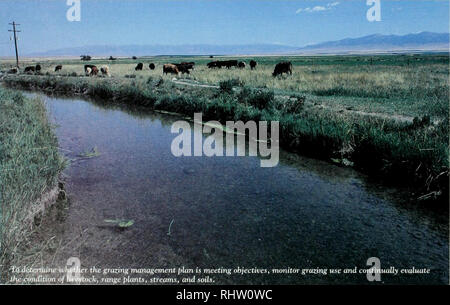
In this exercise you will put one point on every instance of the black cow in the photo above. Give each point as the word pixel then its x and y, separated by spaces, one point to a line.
pixel 139 67
pixel 224 63
pixel 29 69
pixel 58 68
pixel 252 64
pixel 229 63
pixel 241 65
pixel 282 67
pixel 38 68
pixel 13 71
pixel 151 66
pixel 213 64
pixel 112 58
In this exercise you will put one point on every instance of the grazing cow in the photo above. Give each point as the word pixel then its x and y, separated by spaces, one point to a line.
pixel 229 63
pixel 88 66
pixel 252 64
pixel 105 70
pixel 225 63
pixel 241 65
pixel 90 70
pixel 282 67
pixel 112 58
pixel 134 57
pixel 58 68
pixel 94 71
pixel 191 64
pixel 139 67
pixel 170 68
pixel 38 68
pixel 184 67
pixel 213 64
pixel 151 66
pixel 13 71
pixel 29 69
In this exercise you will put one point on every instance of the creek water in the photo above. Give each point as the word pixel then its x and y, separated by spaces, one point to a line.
pixel 228 212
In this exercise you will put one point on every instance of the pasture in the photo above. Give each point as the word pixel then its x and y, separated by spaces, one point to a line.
pixel 409 85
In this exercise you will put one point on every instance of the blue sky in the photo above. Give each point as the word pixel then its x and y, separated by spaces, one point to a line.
pixel 45 27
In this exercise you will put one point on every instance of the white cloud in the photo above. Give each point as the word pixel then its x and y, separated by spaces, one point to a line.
pixel 329 6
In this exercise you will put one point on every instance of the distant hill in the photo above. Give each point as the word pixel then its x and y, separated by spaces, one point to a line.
pixel 424 41
pixel 152 50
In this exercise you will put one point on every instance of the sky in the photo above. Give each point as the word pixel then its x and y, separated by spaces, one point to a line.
pixel 45 27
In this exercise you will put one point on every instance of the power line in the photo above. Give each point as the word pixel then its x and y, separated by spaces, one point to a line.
pixel 15 41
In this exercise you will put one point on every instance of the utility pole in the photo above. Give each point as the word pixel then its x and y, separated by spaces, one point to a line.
pixel 15 41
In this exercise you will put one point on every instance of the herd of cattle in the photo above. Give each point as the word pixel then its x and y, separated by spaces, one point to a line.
pixel 173 68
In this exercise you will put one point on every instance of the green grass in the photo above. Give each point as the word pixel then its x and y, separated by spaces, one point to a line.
pixel 411 85
pixel 29 167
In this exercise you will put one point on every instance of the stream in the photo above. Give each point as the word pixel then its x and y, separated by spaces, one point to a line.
pixel 228 212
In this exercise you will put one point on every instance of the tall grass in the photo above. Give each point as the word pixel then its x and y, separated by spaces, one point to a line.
pixel 404 84
pixel 29 166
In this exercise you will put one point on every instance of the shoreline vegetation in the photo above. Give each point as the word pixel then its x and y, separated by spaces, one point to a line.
pixel 408 153
pixel 30 164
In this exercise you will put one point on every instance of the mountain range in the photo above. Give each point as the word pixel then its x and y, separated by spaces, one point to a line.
pixel 424 41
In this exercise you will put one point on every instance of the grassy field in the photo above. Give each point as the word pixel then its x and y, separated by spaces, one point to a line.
pixel 385 115
pixel 29 167
pixel 411 85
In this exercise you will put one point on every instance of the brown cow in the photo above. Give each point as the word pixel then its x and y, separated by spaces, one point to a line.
pixel 88 66
pixel 170 68
pixel 191 64
pixel 94 71
pixel 184 67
